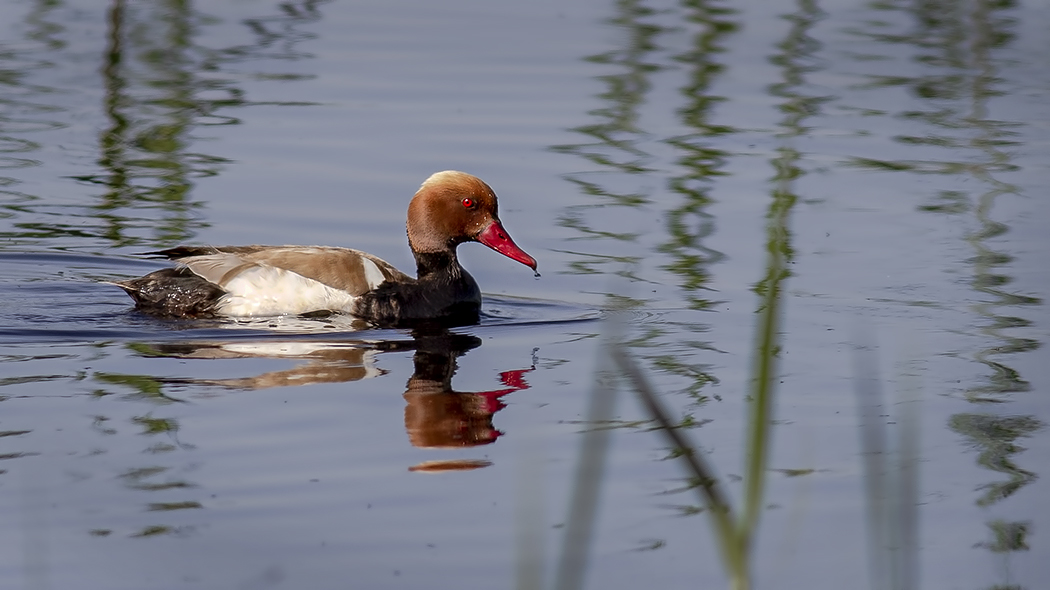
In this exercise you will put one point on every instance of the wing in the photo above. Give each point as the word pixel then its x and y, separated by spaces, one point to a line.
pixel 350 271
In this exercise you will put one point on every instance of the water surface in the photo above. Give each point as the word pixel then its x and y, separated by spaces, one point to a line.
pixel 750 192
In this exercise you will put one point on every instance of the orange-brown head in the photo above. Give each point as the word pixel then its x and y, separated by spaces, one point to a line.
pixel 454 207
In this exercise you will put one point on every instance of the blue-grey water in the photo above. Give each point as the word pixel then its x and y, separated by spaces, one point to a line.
pixel 832 210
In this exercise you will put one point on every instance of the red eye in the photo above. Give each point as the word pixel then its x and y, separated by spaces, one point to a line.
pixel 468 203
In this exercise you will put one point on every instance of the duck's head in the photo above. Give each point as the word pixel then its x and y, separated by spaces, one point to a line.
pixel 454 207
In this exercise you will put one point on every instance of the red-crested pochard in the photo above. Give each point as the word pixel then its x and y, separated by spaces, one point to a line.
pixel 241 281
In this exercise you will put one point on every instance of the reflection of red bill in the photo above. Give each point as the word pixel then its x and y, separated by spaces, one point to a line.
pixel 497 238
pixel 514 380
pixel 451 465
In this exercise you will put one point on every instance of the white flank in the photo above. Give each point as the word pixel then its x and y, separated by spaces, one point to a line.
pixel 271 291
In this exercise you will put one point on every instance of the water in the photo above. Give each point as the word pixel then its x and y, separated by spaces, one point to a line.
pixel 750 191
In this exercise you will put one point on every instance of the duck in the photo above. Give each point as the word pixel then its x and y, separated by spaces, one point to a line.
pixel 450 208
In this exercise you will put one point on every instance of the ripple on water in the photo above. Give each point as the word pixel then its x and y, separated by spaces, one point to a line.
pixel 10 163
pixel 62 297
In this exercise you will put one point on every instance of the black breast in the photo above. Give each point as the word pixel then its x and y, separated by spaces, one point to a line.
pixel 441 298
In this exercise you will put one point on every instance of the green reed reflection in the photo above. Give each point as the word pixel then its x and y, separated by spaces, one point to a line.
pixel 157 479
pixel 996 439
pixel 619 148
pixel 734 530
pixel 617 125
pixel 161 83
pixel 622 149
pixel 18 112
pixel 689 225
pixel 956 42
pixel 699 165
pixel 613 146
pixel 615 139
pixel 101 111
pixel 145 159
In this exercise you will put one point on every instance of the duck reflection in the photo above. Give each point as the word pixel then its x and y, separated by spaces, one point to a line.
pixel 436 416
pixel 327 361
